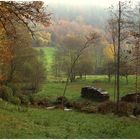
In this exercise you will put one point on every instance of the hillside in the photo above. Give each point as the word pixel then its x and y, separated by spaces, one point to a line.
pixel 41 123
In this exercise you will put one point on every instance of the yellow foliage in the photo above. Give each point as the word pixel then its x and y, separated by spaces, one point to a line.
pixel 43 38
pixel 109 51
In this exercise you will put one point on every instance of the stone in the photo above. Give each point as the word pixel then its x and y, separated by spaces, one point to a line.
pixel 94 94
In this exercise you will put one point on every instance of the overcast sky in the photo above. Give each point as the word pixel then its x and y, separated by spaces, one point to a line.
pixel 103 3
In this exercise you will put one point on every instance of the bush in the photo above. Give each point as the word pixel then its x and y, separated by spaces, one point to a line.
pixel 33 100
pixel 37 101
pixel 106 107
pixel 63 102
pixel 61 99
pixel 15 100
pixel 110 107
pixel 15 88
pixel 6 93
pixel 24 100
pixel 89 109
pixel 43 102
pixel 79 105
pixel 123 109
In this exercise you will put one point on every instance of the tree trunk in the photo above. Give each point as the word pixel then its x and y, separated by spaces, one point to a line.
pixel 85 76
pixel 118 58
pixel 80 75
pixel 126 77
pixel 109 77
pixel 72 77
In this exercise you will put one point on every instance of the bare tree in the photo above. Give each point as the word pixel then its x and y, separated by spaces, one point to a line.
pixel 112 29
pixel 22 12
pixel 91 39
pixel 135 31
pixel 121 23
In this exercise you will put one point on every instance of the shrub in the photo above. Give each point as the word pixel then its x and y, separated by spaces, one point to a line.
pixel 106 107
pixel 6 93
pixel 24 100
pixel 33 100
pixel 123 109
pixel 110 107
pixel 43 102
pixel 89 109
pixel 16 89
pixel 79 105
pixel 15 100
pixel 61 99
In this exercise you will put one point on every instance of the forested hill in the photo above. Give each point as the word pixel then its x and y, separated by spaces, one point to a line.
pixel 91 14
pixel 71 20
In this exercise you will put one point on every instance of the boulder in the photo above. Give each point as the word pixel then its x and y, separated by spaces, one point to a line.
pixel 131 97
pixel 94 94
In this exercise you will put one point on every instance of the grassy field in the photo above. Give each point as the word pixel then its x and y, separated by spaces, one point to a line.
pixel 42 123
pixel 48 53
pixel 52 89
pixel 54 86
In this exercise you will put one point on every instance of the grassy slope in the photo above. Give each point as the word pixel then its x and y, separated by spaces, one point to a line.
pixel 48 56
pixel 42 123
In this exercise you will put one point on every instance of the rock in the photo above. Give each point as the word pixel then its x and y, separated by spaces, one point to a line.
pixel 67 109
pixel 105 92
pixel 132 116
pixel 94 94
pixel 50 107
pixel 131 97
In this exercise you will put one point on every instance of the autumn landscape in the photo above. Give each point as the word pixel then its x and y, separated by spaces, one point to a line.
pixel 70 69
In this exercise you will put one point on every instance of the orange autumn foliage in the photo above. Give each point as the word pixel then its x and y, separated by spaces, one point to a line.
pixel 5 52
pixel 5 48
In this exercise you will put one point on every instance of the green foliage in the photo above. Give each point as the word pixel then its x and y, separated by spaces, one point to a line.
pixel 15 88
pixel 26 66
pixel 6 93
pixel 15 100
pixel 32 99
pixel 24 99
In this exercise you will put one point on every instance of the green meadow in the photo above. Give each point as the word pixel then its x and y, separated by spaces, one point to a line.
pixel 23 122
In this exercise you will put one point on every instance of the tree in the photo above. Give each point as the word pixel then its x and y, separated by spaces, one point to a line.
pixel 22 12
pixel 13 14
pixel 64 27
pixel 135 32
pixel 85 64
pixel 25 65
pixel 71 44
pixel 91 39
pixel 121 20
